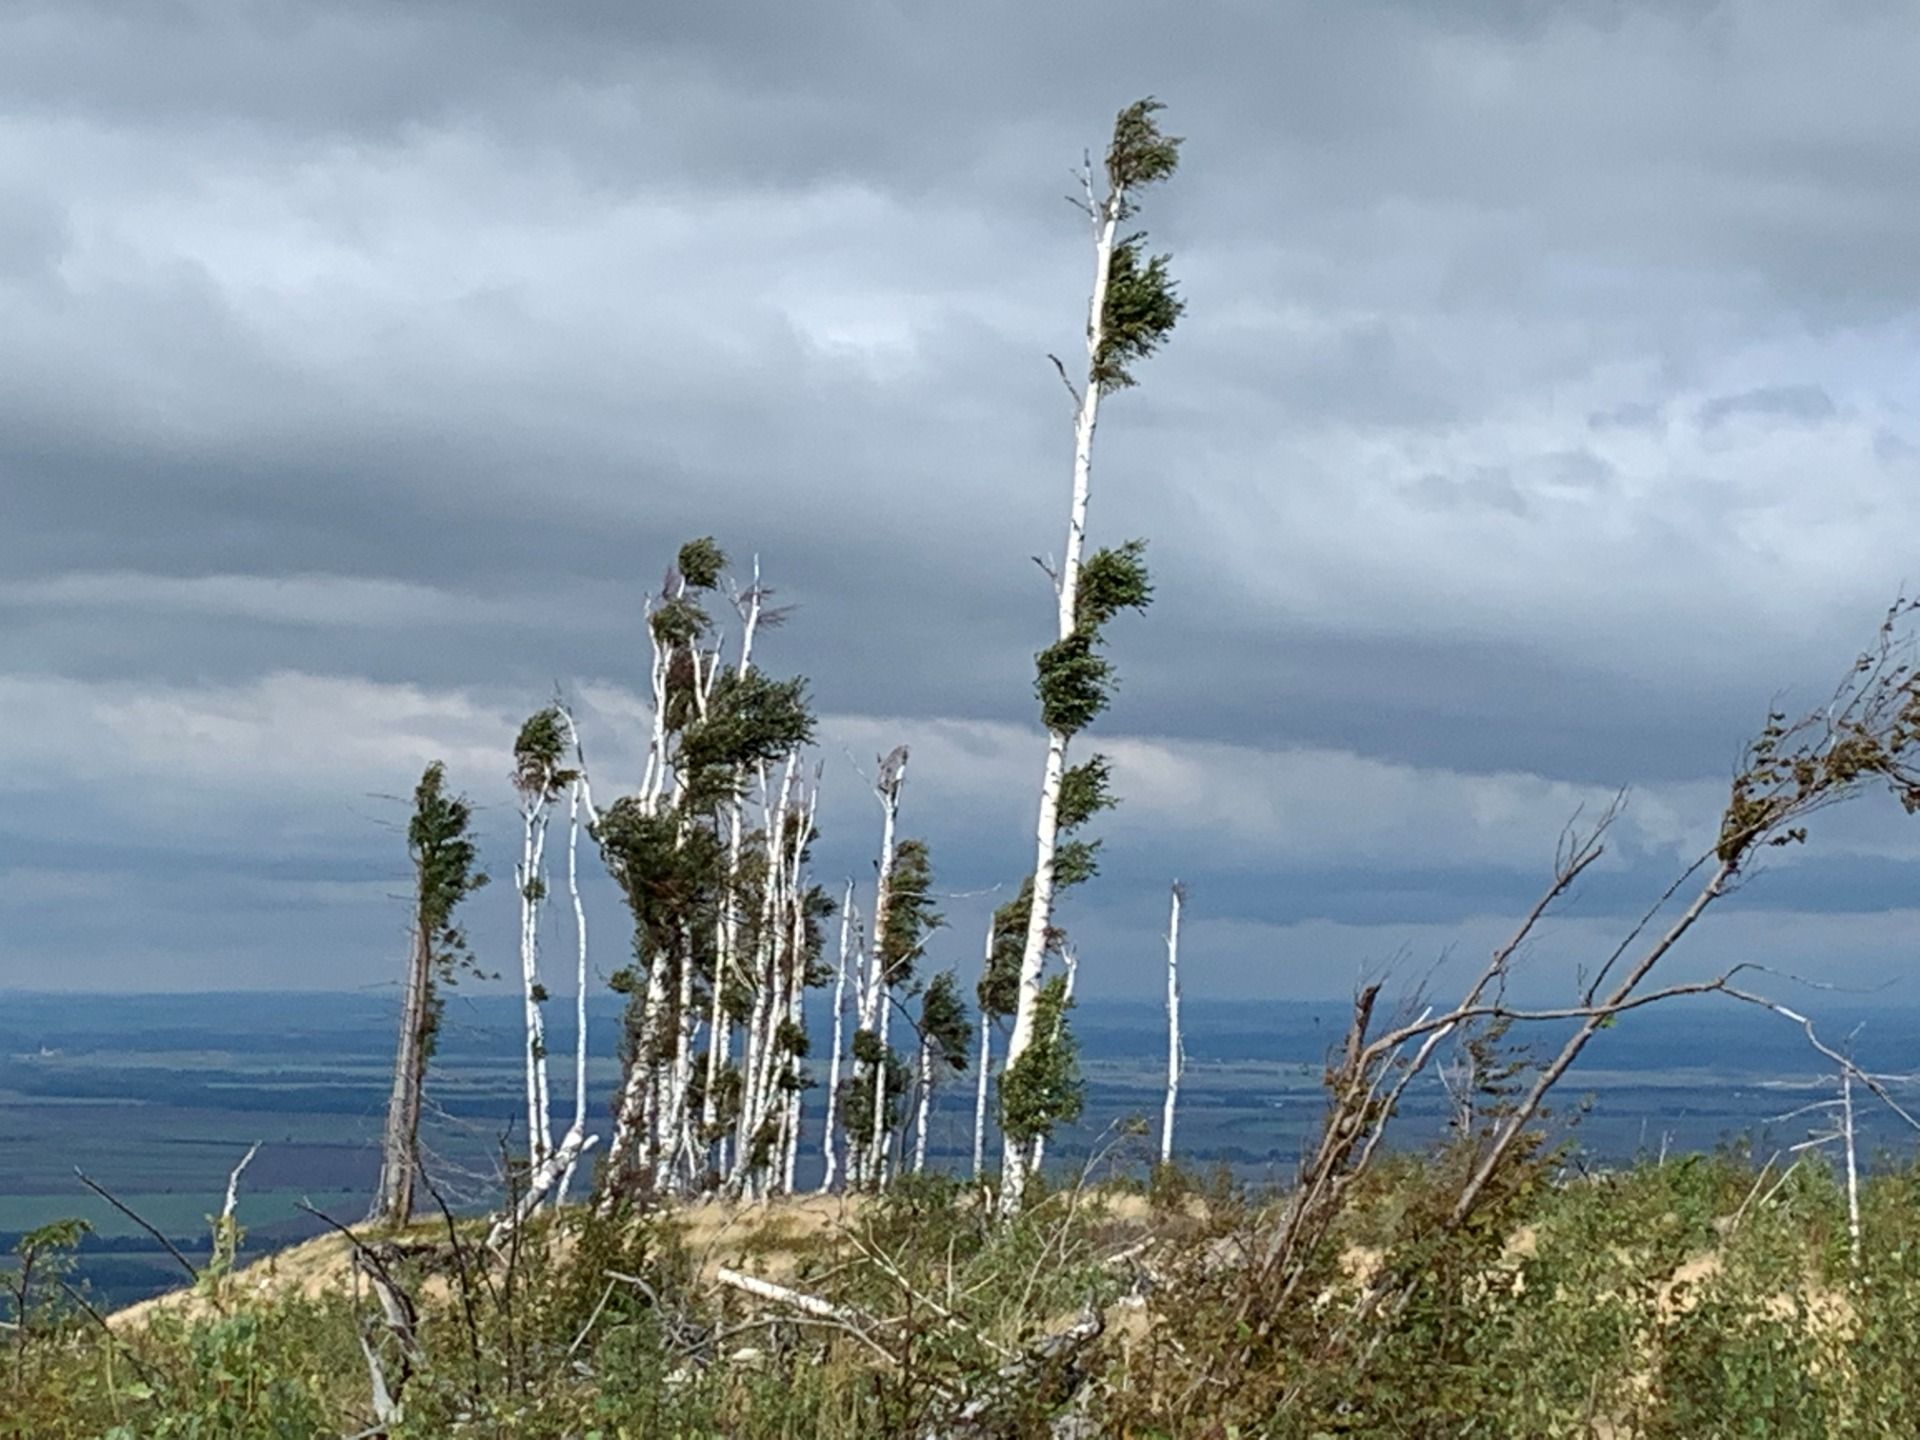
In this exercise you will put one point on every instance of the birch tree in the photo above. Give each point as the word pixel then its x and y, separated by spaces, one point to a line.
pixel 945 1037
pixel 445 872
pixel 540 778
pixel 830 1142
pixel 877 1098
pixel 1130 312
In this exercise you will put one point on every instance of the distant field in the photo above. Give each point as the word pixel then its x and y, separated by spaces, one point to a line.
pixel 157 1097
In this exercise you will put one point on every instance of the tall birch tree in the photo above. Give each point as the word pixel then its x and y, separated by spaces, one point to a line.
pixel 540 778
pixel 1130 312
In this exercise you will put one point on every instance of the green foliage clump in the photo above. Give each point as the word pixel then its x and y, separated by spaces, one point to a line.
pixel 701 563
pixel 999 988
pixel 1085 790
pixel 910 913
pixel 1044 1088
pixel 1142 309
pixel 751 720
pixel 539 754
pixel 1072 683
pixel 1139 154
pixel 856 1090
pixel 944 1021
pixel 446 871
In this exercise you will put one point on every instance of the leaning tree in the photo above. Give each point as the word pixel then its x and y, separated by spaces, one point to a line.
pixel 445 872
pixel 1132 310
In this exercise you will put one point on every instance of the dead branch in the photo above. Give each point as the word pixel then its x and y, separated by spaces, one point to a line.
pixel 138 1219
pixel 1050 1373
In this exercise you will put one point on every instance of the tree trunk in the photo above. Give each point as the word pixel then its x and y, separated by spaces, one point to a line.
pixel 1174 1057
pixel 874 1009
pixel 400 1148
pixel 925 1079
pixel 576 1136
pixel 980 1081
pixel 533 844
pixel 829 1143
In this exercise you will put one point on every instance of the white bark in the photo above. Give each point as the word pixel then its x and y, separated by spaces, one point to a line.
pixel 1047 827
pixel 980 1096
pixel 877 1147
pixel 830 1142
pixel 549 1177
pixel 576 1140
pixel 1176 1060
pixel 780 1294
pixel 528 874
pixel 1853 1169
pixel 924 1076
pixel 986 1058
pixel 874 1008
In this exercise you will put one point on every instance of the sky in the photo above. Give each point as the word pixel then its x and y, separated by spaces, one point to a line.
pixel 1542 413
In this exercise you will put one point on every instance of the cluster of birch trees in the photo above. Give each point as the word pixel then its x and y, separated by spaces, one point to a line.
pixel 711 853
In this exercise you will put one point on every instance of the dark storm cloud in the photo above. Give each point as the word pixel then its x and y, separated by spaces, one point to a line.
pixel 1542 408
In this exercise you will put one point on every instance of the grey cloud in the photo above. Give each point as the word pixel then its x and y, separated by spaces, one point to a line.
pixel 405 343
pixel 1808 404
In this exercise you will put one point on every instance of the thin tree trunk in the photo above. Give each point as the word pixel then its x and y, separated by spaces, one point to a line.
pixel 874 1009
pixel 576 1133
pixel 986 1057
pixel 533 844
pixel 1047 827
pixel 877 1146
pixel 926 1097
pixel 830 1142
pixel 1853 1170
pixel 400 1147
pixel 1175 1060
pixel 980 1096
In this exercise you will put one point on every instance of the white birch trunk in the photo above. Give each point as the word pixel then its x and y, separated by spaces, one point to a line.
pixel 1047 828
pixel 1175 1059
pixel 986 1058
pixel 980 1095
pixel 533 841
pixel 877 1148
pixel 892 777
pixel 576 1139
pixel 925 1078
pixel 829 1142
pixel 1853 1170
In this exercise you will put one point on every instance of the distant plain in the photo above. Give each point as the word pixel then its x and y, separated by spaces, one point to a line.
pixel 156 1097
